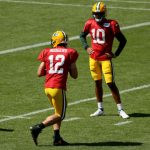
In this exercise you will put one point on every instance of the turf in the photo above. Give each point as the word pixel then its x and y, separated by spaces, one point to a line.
pixel 21 91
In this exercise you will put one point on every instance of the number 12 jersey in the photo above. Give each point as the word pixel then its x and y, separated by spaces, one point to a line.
pixel 57 63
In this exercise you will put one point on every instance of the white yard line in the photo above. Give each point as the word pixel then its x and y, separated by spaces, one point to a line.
pixel 122 123
pixel 71 119
pixel 73 103
pixel 31 46
pixel 44 3
pixel 75 5
pixel 130 8
pixel 134 2
pixel 13 116
pixel 70 39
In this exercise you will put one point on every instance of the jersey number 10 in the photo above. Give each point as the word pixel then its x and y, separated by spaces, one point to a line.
pixel 98 36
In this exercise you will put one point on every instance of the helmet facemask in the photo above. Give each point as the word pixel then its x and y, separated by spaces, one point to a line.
pixel 98 16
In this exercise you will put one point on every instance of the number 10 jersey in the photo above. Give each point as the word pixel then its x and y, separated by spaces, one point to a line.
pixel 102 36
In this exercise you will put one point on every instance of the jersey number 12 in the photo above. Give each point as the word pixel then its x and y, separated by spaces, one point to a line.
pixel 56 67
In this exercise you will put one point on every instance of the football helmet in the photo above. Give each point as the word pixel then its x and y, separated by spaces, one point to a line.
pixel 59 37
pixel 99 11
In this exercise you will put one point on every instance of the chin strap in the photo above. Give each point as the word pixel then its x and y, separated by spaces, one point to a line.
pixel 98 20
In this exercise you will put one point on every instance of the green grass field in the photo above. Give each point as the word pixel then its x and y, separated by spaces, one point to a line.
pixel 22 99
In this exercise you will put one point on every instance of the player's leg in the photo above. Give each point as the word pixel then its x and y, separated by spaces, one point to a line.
pixel 56 97
pixel 60 105
pixel 115 92
pixel 58 100
pixel 96 73
pixel 108 72
pixel 116 96
pixel 36 129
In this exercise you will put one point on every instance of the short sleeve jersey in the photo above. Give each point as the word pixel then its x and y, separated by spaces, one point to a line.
pixel 102 36
pixel 57 62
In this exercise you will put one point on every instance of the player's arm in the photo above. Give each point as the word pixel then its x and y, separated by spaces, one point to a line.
pixel 84 42
pixel 122 42
pixel 73 71
pixel 83 39
pixel 41 70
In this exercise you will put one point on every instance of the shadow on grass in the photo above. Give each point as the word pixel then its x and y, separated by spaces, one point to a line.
pixel 112 143
pixel 6 130
pixel 134 115
pixel 139 115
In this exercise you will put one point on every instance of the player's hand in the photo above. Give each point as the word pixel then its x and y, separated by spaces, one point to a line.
pixel 114 56
pixel 89 50
pixel 110 55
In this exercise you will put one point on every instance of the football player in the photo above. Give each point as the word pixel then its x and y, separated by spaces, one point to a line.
pixel 102 32
pixel 56 63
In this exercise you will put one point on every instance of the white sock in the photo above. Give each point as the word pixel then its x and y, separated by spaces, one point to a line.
pixel 119 106
pixel 100 105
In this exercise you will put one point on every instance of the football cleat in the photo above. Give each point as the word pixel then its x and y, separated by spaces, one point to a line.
pixel 123 114
pixel 99 11
pixel 35 131
pixel 99 112
pixel 59 37
pixel 60 142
